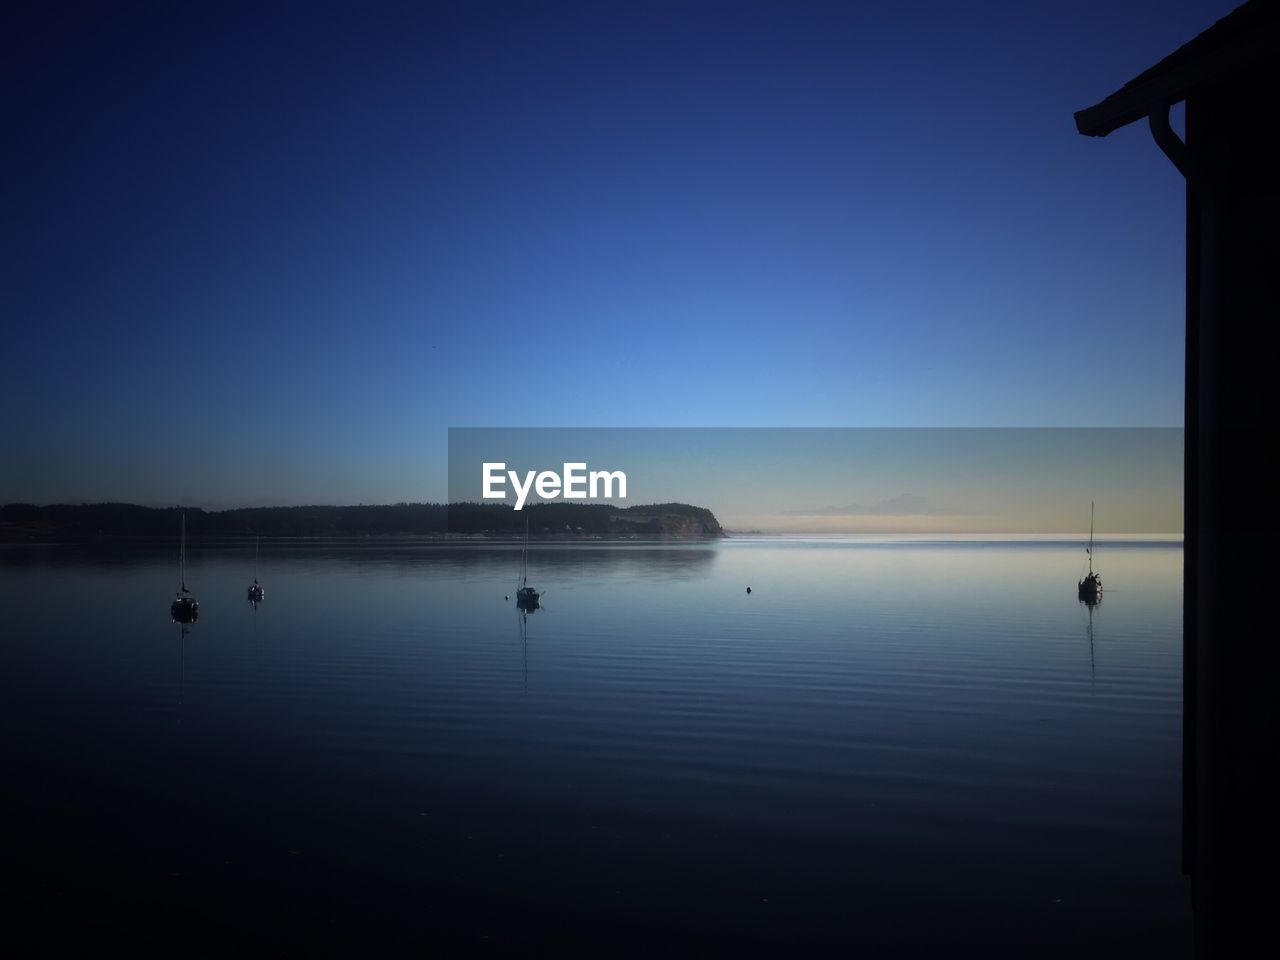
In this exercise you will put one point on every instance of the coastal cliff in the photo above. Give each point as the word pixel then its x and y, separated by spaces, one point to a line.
pixel 658 523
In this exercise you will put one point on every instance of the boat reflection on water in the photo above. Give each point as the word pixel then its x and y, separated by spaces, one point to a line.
pixel 183 630
pixel 1089 603
pixel 522 614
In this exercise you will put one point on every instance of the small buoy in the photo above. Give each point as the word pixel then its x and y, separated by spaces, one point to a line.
pixel 748 589
pixel 506 597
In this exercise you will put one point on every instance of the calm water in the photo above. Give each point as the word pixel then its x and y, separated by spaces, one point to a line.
pixel 915 745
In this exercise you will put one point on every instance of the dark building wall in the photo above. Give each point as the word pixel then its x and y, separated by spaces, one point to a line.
pixel 1233 379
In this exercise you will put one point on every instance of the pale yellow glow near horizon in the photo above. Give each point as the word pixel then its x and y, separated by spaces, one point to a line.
pixel 1158 520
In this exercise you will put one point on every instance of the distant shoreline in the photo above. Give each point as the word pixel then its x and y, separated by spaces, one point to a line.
pixel 945 536
pixel 411 539
pixel 53 523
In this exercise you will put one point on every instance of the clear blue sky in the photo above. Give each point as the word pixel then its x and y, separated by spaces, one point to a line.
pixel 261 256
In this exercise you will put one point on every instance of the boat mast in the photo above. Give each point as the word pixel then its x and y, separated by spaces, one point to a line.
pixel 524 555
pixel 1090 550
pixel 182 556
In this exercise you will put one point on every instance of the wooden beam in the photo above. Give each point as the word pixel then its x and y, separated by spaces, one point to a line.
pixel 1237 42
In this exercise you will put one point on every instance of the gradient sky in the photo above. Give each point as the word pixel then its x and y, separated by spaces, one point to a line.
pixel 255 255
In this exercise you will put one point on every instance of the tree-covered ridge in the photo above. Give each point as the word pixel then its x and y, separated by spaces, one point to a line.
pixel 21 522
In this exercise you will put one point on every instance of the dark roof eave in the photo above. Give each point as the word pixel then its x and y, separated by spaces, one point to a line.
pixel 1248 34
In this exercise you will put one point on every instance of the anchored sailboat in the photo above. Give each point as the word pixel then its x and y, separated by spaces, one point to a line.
pixel 256 593
pixel 1091 586
pixel 526 596
pixel 185 608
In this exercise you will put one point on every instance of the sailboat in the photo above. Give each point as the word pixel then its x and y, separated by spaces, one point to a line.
pixel 256 593
pixel 1090 586
pixel 526 596
pixel 185 608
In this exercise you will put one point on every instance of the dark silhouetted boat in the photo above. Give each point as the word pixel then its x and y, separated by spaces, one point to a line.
pixel 1091 585
pixel 256 593
pixel 185 608
pixel 526 596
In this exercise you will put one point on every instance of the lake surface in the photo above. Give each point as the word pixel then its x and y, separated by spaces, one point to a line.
pixel 886 747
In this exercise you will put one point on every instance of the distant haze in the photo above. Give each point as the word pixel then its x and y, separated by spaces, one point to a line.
pixel 865 480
